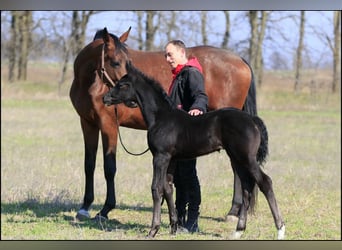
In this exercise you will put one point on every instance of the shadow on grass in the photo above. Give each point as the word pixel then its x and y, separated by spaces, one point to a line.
pixel 60 211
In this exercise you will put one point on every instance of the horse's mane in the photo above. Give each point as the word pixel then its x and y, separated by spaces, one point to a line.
pixel 151 81
pixel 119 45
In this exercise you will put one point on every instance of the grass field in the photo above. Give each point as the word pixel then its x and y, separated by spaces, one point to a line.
pixel 42 177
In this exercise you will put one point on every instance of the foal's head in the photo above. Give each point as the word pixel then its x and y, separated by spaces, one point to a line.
pixel 122 92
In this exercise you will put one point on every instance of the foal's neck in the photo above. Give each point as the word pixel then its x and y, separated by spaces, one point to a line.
pixel 153 101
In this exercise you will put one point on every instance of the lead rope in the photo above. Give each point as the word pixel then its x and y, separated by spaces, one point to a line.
pixel 117 123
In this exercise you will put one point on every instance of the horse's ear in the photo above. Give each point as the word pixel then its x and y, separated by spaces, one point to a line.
pixel 124 36
pixel 105 35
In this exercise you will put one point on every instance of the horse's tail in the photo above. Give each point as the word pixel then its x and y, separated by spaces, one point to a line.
pixel 263 148
pixel 250 105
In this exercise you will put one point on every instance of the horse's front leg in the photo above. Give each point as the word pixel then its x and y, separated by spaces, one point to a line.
pixel 91 137
pixel 109 140
pixel 160 165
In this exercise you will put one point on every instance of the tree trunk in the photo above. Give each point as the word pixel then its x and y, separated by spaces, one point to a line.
pixel 13 46
pixel 226 35
pixel 150 30
pixel 171 24
pixel 299 62
pixel 26 41
pixel 140 30
pixel 203 27
pixel 253 43
pixel 336 50
pixel 259 55
pixel 79 24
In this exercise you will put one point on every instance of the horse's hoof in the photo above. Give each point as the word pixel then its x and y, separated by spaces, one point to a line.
pixel 237 235
pixel 281 233
pixel 231 218
pixel 82 215
pixel 100 218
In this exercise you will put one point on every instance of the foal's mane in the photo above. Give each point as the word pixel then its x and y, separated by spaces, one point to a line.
pixel 156 86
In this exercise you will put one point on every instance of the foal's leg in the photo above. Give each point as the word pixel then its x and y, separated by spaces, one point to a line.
pixel 233 213
pixel 247 186
pixel 160 165
pixel 168 194
pixel 91 138
pixel 265 184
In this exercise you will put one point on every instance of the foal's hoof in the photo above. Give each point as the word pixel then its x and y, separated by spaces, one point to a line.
pixel 182 230
pixel 236 235
pixel 231 218
pixel 82 215
pixel 281 233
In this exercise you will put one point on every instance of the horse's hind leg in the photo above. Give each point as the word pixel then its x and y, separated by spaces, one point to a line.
pixel 91 137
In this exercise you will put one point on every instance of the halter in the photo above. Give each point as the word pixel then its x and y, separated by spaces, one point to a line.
pixel 104 73
pixel 103 69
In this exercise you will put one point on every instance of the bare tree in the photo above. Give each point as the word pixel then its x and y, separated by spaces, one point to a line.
pixel 140 30
pixel 14 30
pixel 203 27
pixel 299 62
pixel 171 25
pixel 258 26
pixel 336 50
pixel 150 29
pixel 25 29
pixel 79 23
pixel 226 35
pixel 21 30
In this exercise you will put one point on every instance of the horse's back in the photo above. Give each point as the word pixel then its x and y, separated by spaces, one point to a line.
pixel 227 76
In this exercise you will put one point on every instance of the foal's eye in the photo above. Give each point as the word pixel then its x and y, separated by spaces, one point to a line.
pixel 123 86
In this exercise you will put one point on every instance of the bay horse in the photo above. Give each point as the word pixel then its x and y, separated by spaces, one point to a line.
pixel 172 134
pixel 100 64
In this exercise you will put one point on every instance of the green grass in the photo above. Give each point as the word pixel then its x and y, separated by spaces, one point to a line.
pixel 42 177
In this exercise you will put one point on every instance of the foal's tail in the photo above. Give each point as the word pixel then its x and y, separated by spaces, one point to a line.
pixel 263 148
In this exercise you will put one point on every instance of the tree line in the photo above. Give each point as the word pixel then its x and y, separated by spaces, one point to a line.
pixel 65 33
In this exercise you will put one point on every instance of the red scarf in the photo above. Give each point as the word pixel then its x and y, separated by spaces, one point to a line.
pixel 191 62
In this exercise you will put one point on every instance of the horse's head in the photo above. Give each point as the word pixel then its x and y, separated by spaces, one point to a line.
pixel 122 92
pixel 114 56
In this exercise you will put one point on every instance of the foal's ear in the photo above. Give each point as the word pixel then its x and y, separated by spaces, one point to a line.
pixel 124 36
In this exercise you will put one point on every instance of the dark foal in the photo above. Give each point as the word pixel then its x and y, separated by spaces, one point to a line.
pixel 173 134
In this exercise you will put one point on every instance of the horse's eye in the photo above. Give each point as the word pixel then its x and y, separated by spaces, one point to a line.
pixel 115 64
